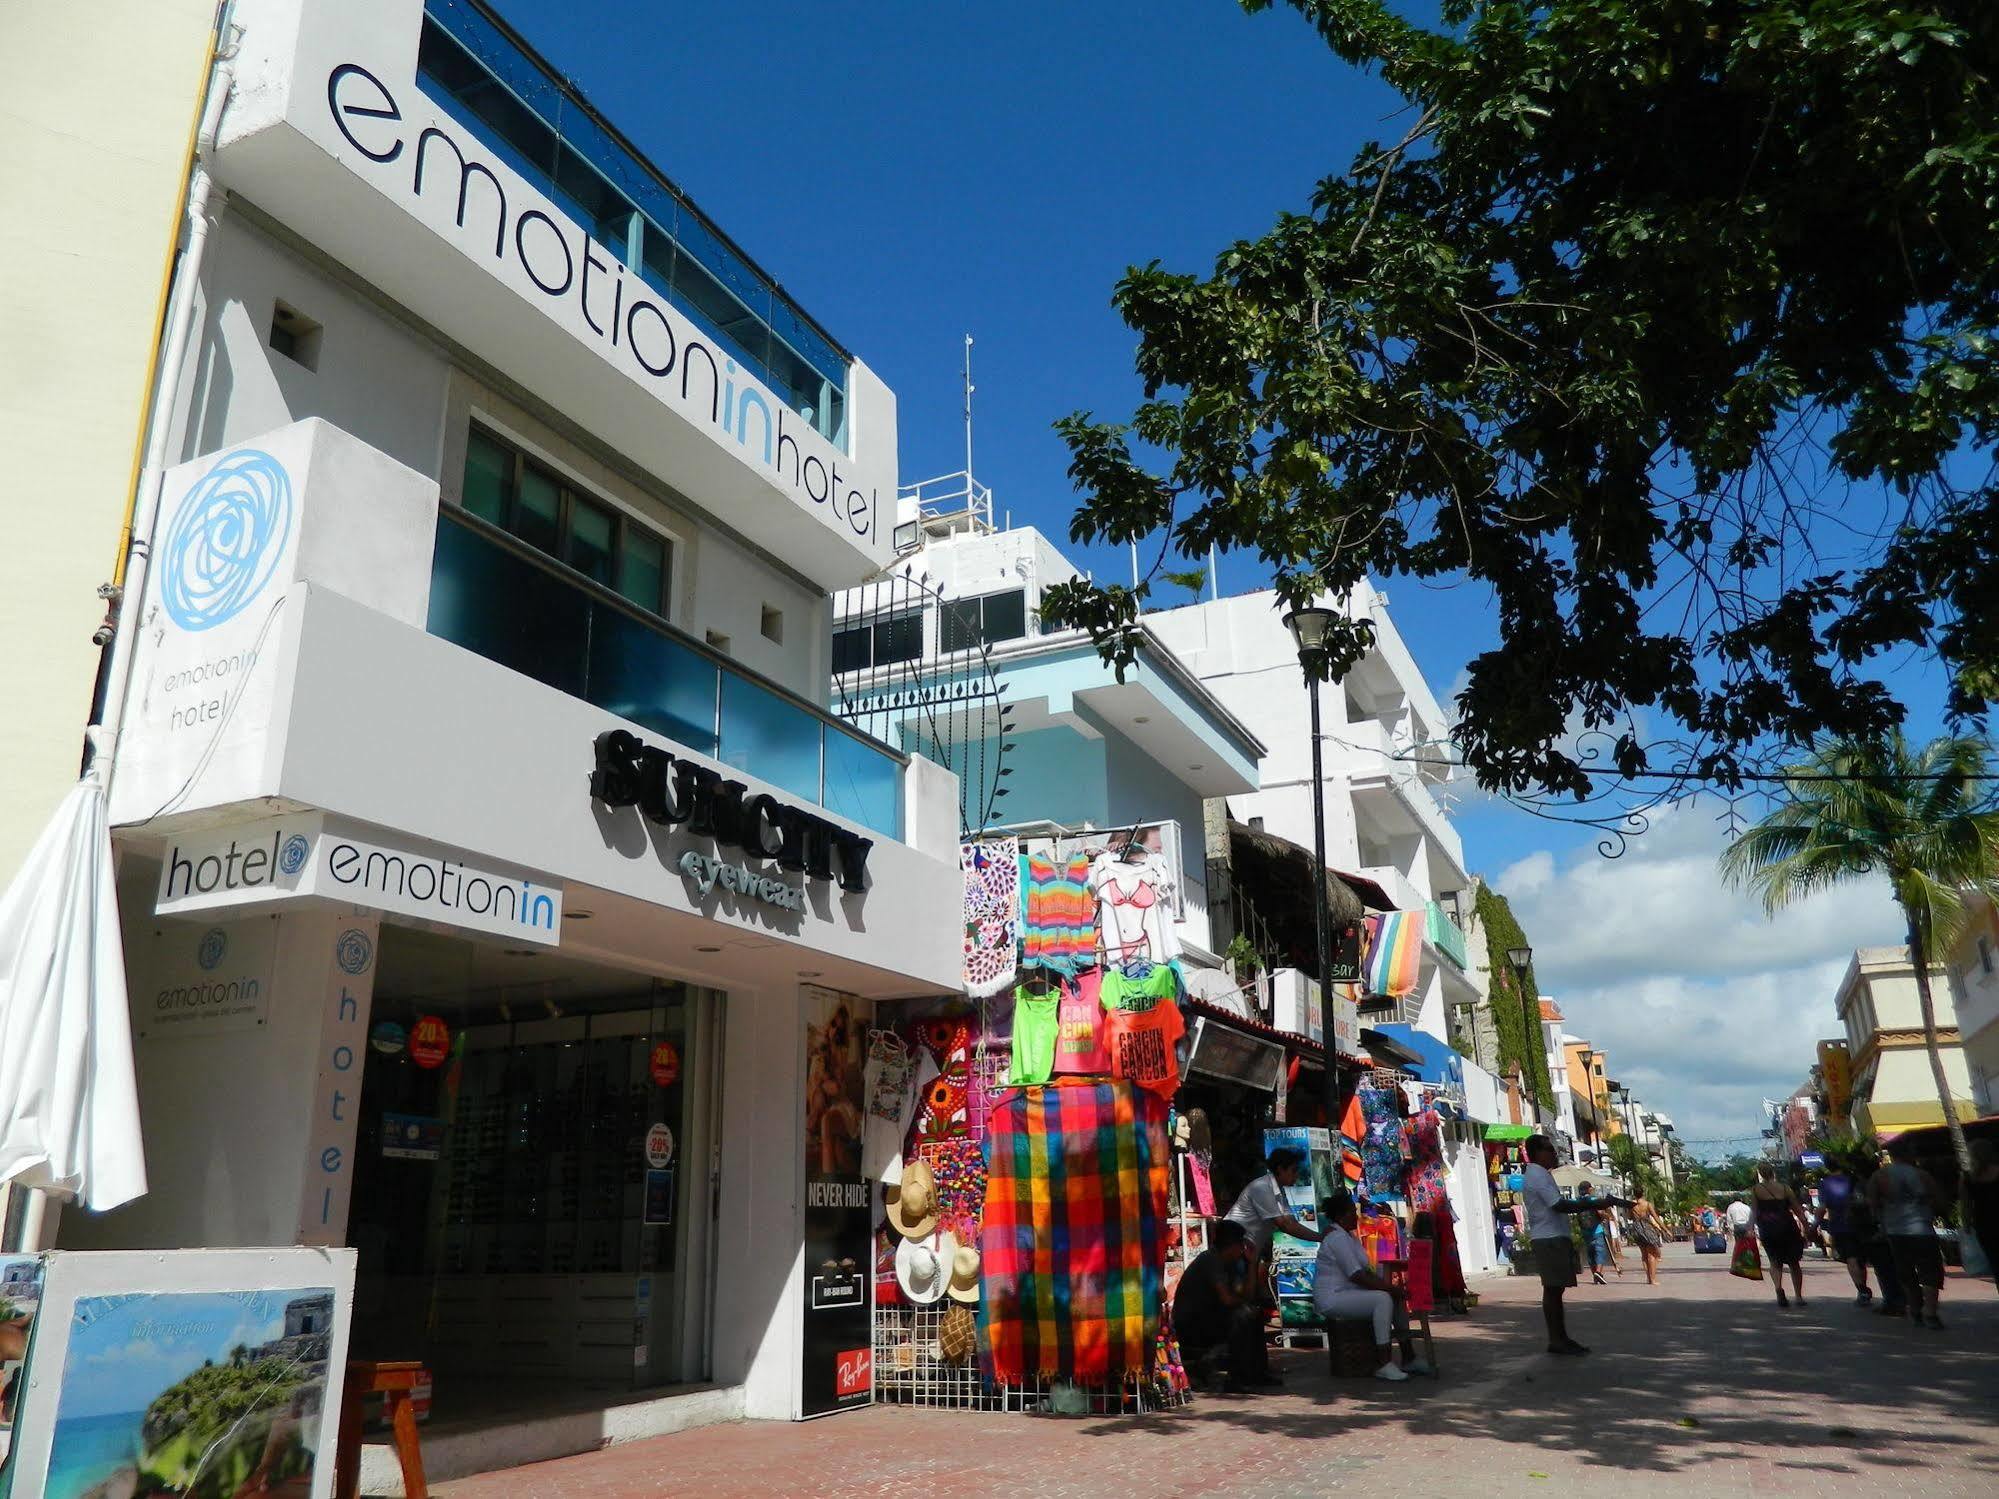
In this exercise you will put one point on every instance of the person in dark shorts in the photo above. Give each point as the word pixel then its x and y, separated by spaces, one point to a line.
pixel 1554 1249
pixel 1836 1202
pixel 1904 1198
pixel 1219 1325
pixel 1780 1225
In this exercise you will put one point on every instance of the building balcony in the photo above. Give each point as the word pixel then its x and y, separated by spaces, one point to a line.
pixel 496 597
pixel 437 161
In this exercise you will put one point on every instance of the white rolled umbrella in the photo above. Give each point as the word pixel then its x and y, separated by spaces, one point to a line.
pixel 69 1106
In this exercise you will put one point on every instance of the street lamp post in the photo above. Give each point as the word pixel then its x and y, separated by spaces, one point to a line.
pixel 1518 959
pixel 1308 627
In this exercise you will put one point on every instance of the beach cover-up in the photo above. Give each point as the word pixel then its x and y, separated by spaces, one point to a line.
pixel 1073 1252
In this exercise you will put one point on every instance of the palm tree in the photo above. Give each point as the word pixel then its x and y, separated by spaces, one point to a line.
pixel 1926 819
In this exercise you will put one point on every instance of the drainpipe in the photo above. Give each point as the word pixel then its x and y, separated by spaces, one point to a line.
pixel 39 1215
pixel 129 605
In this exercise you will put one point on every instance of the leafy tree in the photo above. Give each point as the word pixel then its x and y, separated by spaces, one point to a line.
pixel 1922 818
pixel 1650 296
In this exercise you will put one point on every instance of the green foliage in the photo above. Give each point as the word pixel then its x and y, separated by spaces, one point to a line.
pixel 1926 820
pixel 1519 1040
pixel 205 1435
pixel 1646 289
pixel 1193 579
pixel 1242 956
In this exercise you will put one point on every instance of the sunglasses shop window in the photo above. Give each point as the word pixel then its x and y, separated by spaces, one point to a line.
pixel 525 1138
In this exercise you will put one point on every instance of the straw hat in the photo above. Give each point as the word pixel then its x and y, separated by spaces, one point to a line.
pixel 957 1335
pixel 920 1271
pixel 912 1204
pixel 964 1284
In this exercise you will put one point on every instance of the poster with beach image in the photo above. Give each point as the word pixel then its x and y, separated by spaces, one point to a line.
pixel 20 1296
pixel 210 1394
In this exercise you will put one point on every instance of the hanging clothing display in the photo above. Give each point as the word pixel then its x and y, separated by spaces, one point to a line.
pixel 1058 922
pixel 1138 984
pixel 1134 892
pixel 1394 952
pixel 1381 1158
pixel 1080 1029
pixel 888 1092
pixel 991 870
pixel 1074 1240
pixel 1428 1189
pixel 1036 1020
pixel 1142 1045
pixel 959 1166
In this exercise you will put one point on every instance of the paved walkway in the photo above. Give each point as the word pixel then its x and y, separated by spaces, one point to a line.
pixel 1697 1387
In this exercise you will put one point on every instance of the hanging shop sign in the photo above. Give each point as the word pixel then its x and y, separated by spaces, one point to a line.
pixel 261 865
pixel 665 1064
pixel 836 1370
pixel 677 792
pixel 1346 955
pixel 430 1041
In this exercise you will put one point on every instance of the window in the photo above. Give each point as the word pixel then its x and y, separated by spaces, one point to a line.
pixel 506 488
pixel 965 623
pixel 773 625
pixel 295 335
pixel 882 642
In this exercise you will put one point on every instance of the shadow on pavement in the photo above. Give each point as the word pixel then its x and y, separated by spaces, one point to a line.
pixel 1702 1369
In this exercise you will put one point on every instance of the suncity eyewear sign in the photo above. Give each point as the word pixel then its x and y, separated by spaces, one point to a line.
pixel 674 791
pixel 261 864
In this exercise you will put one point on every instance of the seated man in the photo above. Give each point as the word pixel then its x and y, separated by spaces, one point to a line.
pixel 1217 1319
pixel 1345 1285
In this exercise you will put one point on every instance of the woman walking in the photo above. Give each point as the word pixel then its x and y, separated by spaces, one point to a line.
pixel 1780 1224
pixel 1648 1230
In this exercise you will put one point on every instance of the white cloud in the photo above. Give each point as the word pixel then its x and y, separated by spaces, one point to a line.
pixel 1703 1005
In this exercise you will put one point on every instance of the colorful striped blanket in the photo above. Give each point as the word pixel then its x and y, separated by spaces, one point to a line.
pixel 1395 952
pixel 1073 1251
pixel 1058 912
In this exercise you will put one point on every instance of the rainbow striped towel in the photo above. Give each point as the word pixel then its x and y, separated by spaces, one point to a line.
pixel 1394 952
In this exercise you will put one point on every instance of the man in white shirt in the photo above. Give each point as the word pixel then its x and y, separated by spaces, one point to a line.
pixel 1554 1251
pixel 1261 1207
pixel 1344 1284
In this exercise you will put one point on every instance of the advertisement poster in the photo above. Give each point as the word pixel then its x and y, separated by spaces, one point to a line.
pixel 20 1295
pixel 1292 1260
pixel 204 1373
pixel 836 1373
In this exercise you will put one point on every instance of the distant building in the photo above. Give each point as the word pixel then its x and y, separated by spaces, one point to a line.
pixel 1893 1086
pixel 1974 986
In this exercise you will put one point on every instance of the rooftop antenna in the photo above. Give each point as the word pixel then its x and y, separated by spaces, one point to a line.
pixel 969 388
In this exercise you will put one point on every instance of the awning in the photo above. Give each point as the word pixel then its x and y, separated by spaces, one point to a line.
pixel 1280 873
pixel 1386 1049
pixel 1435 1062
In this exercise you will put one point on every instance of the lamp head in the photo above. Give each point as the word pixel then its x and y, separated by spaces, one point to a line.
pixel 1520 957
pixel 1309 626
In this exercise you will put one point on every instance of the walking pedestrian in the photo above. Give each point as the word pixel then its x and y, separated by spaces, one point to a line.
pixel 1554 1250
pixel 1648 1230
pixel 1904 1198
pixel 1596 1235
pixel 1780 1224
pixel 1837 1192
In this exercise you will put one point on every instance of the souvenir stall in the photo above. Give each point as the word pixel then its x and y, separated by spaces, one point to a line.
pixel 1019 1141
pixel 1393 1134
pixel 1505 1167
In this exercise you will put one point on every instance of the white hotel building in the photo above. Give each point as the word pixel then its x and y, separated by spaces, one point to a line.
pixel 490 587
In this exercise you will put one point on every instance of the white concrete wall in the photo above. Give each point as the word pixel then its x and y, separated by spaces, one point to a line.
pixel 98 111
pixel 237 1124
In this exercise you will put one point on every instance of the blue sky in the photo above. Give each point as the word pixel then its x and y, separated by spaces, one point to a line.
pixel 915 172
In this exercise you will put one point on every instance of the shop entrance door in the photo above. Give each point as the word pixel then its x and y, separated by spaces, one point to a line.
pixel 532 1184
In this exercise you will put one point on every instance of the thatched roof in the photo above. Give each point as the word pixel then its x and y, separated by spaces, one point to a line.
pixel 1276 874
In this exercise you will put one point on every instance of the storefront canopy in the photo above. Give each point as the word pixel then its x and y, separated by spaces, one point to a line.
pixel 1436 1062
pixel 1386 1049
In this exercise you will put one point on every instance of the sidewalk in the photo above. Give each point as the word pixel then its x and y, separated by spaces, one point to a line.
pixel 1700 1386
